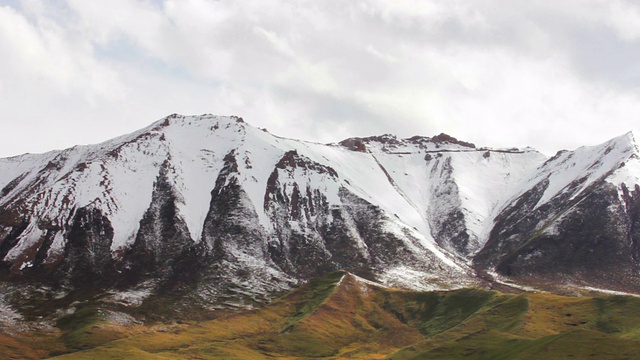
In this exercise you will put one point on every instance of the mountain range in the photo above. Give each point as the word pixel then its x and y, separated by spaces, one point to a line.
pixel 194 214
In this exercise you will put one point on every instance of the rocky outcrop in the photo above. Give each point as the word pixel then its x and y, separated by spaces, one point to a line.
pixel 88 260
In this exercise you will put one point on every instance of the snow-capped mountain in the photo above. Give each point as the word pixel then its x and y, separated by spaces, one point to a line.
pixel 224 212
pixel 575 221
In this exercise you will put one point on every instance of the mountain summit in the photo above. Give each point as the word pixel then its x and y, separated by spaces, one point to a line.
pixel 217 213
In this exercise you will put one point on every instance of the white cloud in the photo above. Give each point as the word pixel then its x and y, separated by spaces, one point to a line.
pixel 624 17
pixel 522 73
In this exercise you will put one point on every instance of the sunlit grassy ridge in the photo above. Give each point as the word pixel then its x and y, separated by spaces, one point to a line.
pixel 342 316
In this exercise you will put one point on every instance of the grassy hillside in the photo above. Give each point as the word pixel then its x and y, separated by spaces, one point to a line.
pixel 342 316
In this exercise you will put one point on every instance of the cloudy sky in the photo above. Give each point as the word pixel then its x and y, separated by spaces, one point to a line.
pixel 548 74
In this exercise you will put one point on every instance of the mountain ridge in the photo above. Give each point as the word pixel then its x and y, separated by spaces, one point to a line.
pixel 225 214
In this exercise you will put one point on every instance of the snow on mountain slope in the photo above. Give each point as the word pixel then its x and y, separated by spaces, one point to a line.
pixel 576 170
pixel 362 175
pixel 233 199
pixel 117 176
pixel 110 176
pixel 454 184
pixel 573 221
pixel 167 179
pixel 484 180
pixel 196 148
pixel 628 171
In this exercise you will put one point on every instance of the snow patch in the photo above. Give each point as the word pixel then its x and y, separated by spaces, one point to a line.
pixel 401 231
pixel 407 278
pixel 131 297
pixel 31 235
pixel 502 280
pixel 628 175
pixel 368 282
pixel 606 291
pixel 57 246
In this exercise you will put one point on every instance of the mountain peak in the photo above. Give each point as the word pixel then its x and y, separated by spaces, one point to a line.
pixel 391 143
pixel 448 139
pixel 196 120
pixel 625 144
pixel 632 137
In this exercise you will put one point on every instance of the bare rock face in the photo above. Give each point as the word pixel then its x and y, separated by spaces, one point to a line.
pixel 87 259
pixel 163 243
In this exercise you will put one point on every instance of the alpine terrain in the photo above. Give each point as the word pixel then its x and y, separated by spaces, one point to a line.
pixel 196 215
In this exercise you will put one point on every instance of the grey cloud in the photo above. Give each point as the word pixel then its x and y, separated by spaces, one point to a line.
pixel 329 117
pixel 487 71
pixel 603 56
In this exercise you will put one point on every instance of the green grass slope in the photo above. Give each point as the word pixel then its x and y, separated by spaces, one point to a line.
pixel 341 316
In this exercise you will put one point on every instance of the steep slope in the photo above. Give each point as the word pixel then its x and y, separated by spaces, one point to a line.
pixel 574 221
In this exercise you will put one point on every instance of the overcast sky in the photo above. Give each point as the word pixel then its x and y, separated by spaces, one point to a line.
pixel 548 74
